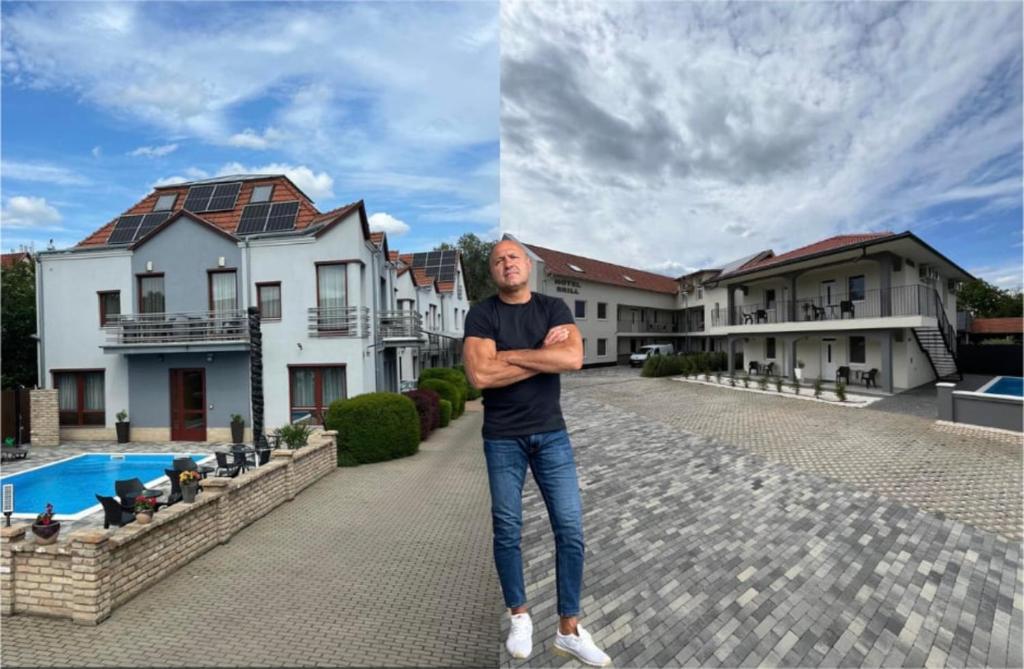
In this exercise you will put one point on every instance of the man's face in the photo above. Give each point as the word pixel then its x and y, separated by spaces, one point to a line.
pixel 510 267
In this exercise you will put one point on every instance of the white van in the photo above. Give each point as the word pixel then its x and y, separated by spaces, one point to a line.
pixel 640 357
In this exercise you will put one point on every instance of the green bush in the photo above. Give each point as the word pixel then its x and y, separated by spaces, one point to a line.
pixel 374 427
pixel 841 391
pixel 295 435
pixel 685 364
pixel 446 413
pixel 778 384
pixel 447 390
pixel 454 377
pixel 817 387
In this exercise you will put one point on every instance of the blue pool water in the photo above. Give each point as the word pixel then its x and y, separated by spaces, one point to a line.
pixel 1007 385
pixel 71 485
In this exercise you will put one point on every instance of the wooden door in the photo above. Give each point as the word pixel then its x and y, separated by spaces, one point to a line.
pixel 188 405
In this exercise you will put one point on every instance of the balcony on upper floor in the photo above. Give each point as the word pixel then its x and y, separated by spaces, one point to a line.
pixel 177 332
pixel 339 322
pixel 400 327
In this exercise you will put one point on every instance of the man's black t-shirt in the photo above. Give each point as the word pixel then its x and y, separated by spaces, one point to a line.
pixel 531 405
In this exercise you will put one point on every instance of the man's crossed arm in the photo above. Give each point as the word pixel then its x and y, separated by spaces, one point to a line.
pixel 562 351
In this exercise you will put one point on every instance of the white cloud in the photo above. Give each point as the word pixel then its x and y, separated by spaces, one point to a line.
pixel 250 139
pixel 53 174
pixel 97 151
pixel 154 151
pixel 314 184
pixel 382 222
pixel 1007 277
pixel 23 211
pixel 191 174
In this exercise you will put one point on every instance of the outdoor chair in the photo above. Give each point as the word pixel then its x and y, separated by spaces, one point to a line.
pixel 769 369
pixel 753 367
pixel 113 514
pixel 761 314
pixel 127 490
pixel 188 464
pixel 14 452
pixel 175 495
pixel 843 373
pixel 819 312
pixel 871 378
pixel 225 468
pixel 846 307
pixel 263 455
pixel 243 458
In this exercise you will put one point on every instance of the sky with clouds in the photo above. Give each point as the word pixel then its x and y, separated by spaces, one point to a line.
pixel 396 104
pixel 677 136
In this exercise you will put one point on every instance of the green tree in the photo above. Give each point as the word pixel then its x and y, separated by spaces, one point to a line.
pixel 983 300
pixel 476 255
pixel 18 324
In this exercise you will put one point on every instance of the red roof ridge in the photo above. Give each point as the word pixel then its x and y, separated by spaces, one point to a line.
pixel 833 243
pixel 604 272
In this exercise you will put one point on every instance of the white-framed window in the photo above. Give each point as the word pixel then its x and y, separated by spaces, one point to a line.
pixel 165 202
pixel 858 351
pixel 262 194
pixel 855 288
pixel 602 311
pixel 602 347
pixel 581 308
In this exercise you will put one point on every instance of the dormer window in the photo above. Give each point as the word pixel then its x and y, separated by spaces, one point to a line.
pixel 628 278
pixel 576 268
pixel 165 202
pixel 262 193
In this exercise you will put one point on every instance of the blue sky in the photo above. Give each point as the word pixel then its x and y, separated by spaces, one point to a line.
pixel 393 104
pixel 674 136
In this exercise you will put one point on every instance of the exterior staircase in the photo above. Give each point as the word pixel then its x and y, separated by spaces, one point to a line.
pixel 939 344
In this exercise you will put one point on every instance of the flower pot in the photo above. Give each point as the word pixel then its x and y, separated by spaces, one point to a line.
pixel 188 493
pixel 237 432
pixel 46 534
pixel 122 431
pixel 143 517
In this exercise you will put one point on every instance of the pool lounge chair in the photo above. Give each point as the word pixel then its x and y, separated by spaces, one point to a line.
pixel 113 514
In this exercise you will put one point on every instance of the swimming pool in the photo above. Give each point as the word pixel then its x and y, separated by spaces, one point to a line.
pixel 71 484
pixel 1012 386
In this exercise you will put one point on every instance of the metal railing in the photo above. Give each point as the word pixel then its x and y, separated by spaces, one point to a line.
pixel 178 327
pixel 913 300
pixel 400 323
pixel 339 321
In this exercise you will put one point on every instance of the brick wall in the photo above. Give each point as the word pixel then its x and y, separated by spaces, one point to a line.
pixel 44 417
pixel 92 572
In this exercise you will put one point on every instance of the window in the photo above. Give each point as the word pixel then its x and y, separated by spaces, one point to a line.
pixel 700 292
pixel 858 352
pixel 628 278
pixel 268 295
pixel 769 348
pixel 110 305
pixel 602 310
pixel 331 296
pixel 602 345
pixel 575 268
pixel 584 347
pixel 151 293
pixel 313 388
pixel 769 298
pixel 856 287
pixel 581 308
pixel 165 202
pixel 262 193
pixel 80 397
pixel 223 290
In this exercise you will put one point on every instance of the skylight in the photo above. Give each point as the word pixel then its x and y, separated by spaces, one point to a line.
pixel 628 278
pixel 261 193
pixel 165 202
pixel 576 268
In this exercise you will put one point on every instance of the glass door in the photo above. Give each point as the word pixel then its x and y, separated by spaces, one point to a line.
pixel 188 405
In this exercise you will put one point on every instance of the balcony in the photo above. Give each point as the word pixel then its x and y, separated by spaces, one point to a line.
pixel 694 325
pixel 914 300
pixel 400 327
pixel 197 331
pixel 339 322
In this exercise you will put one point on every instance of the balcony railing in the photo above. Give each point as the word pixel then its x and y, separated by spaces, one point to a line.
pixel 400 324
pixel 178 328
pixel 914 300
pixel 650 326
pixel 339 321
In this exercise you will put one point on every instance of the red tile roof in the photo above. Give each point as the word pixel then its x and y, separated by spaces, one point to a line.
pixel 557 263
pixel 377 238
pixel 832 244
pixel 421 278
pixel 393 256
pixel 9 260
pixel 997 326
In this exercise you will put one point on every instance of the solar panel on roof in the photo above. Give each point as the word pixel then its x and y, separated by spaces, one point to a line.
pixel 149 222
pixel 125 229
pixel 254 218
pixel 224 197
pixel 282 216
pixel 198 197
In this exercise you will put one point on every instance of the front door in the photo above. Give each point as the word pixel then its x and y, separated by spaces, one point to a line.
pixel 829 299
pixel 188 405
pixel 828 359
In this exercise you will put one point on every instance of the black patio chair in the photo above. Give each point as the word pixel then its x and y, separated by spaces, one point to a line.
pixel 127 490
pixel 769 369
pixel 188 464
pixel 225 468
pixel 753 367
pixel 843 373
pixel 761 314
pixel 846 307
pixel 175 495
pixel 263 456
pixel 244 458
pixel 871 378
pixel 819 312
pixel 113 514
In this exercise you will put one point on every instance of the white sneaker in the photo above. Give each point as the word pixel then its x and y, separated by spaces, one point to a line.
pixel 520 637
pixel 582 647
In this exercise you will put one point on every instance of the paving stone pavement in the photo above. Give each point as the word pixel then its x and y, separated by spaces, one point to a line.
pixel 380 565
pixel 700 553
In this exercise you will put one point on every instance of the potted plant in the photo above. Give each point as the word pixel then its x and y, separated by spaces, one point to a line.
pixel 46 528
pixel 237 428
pixel 122 427
pixel 799 371
pixel 295 435
pixel 189 480
pixel 144 508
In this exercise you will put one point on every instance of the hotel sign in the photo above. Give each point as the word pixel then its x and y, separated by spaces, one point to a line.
pixel 567 286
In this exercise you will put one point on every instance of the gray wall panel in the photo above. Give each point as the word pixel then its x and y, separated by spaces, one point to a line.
pixel 227 387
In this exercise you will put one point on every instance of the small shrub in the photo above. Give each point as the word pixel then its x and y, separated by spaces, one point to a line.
pixel 455 377
pixel 374 427
pixel 796 387
pixel 718 376
pixel 817 388
pixel 447 390
pixel 746 380
pixel 295 435
pixel 446 412
pixel 762 382
pixel 428 407
pixel 778 384
pixel 841 391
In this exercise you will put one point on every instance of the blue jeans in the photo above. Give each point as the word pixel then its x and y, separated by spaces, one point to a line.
pixel 549 456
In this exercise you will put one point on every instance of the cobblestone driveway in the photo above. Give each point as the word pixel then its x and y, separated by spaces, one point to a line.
pixel 702 553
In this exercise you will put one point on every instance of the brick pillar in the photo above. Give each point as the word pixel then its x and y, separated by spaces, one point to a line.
pixel 91 577
pixel 286 457
pixel 44 416
pixel 8 537
pixel 220 489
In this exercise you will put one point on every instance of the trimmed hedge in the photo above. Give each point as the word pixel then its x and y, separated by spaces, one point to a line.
pixel 446 413
pixel 456 377
pixel 374 427
pixel 686 364
pixel 427 406
pixel 456 395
